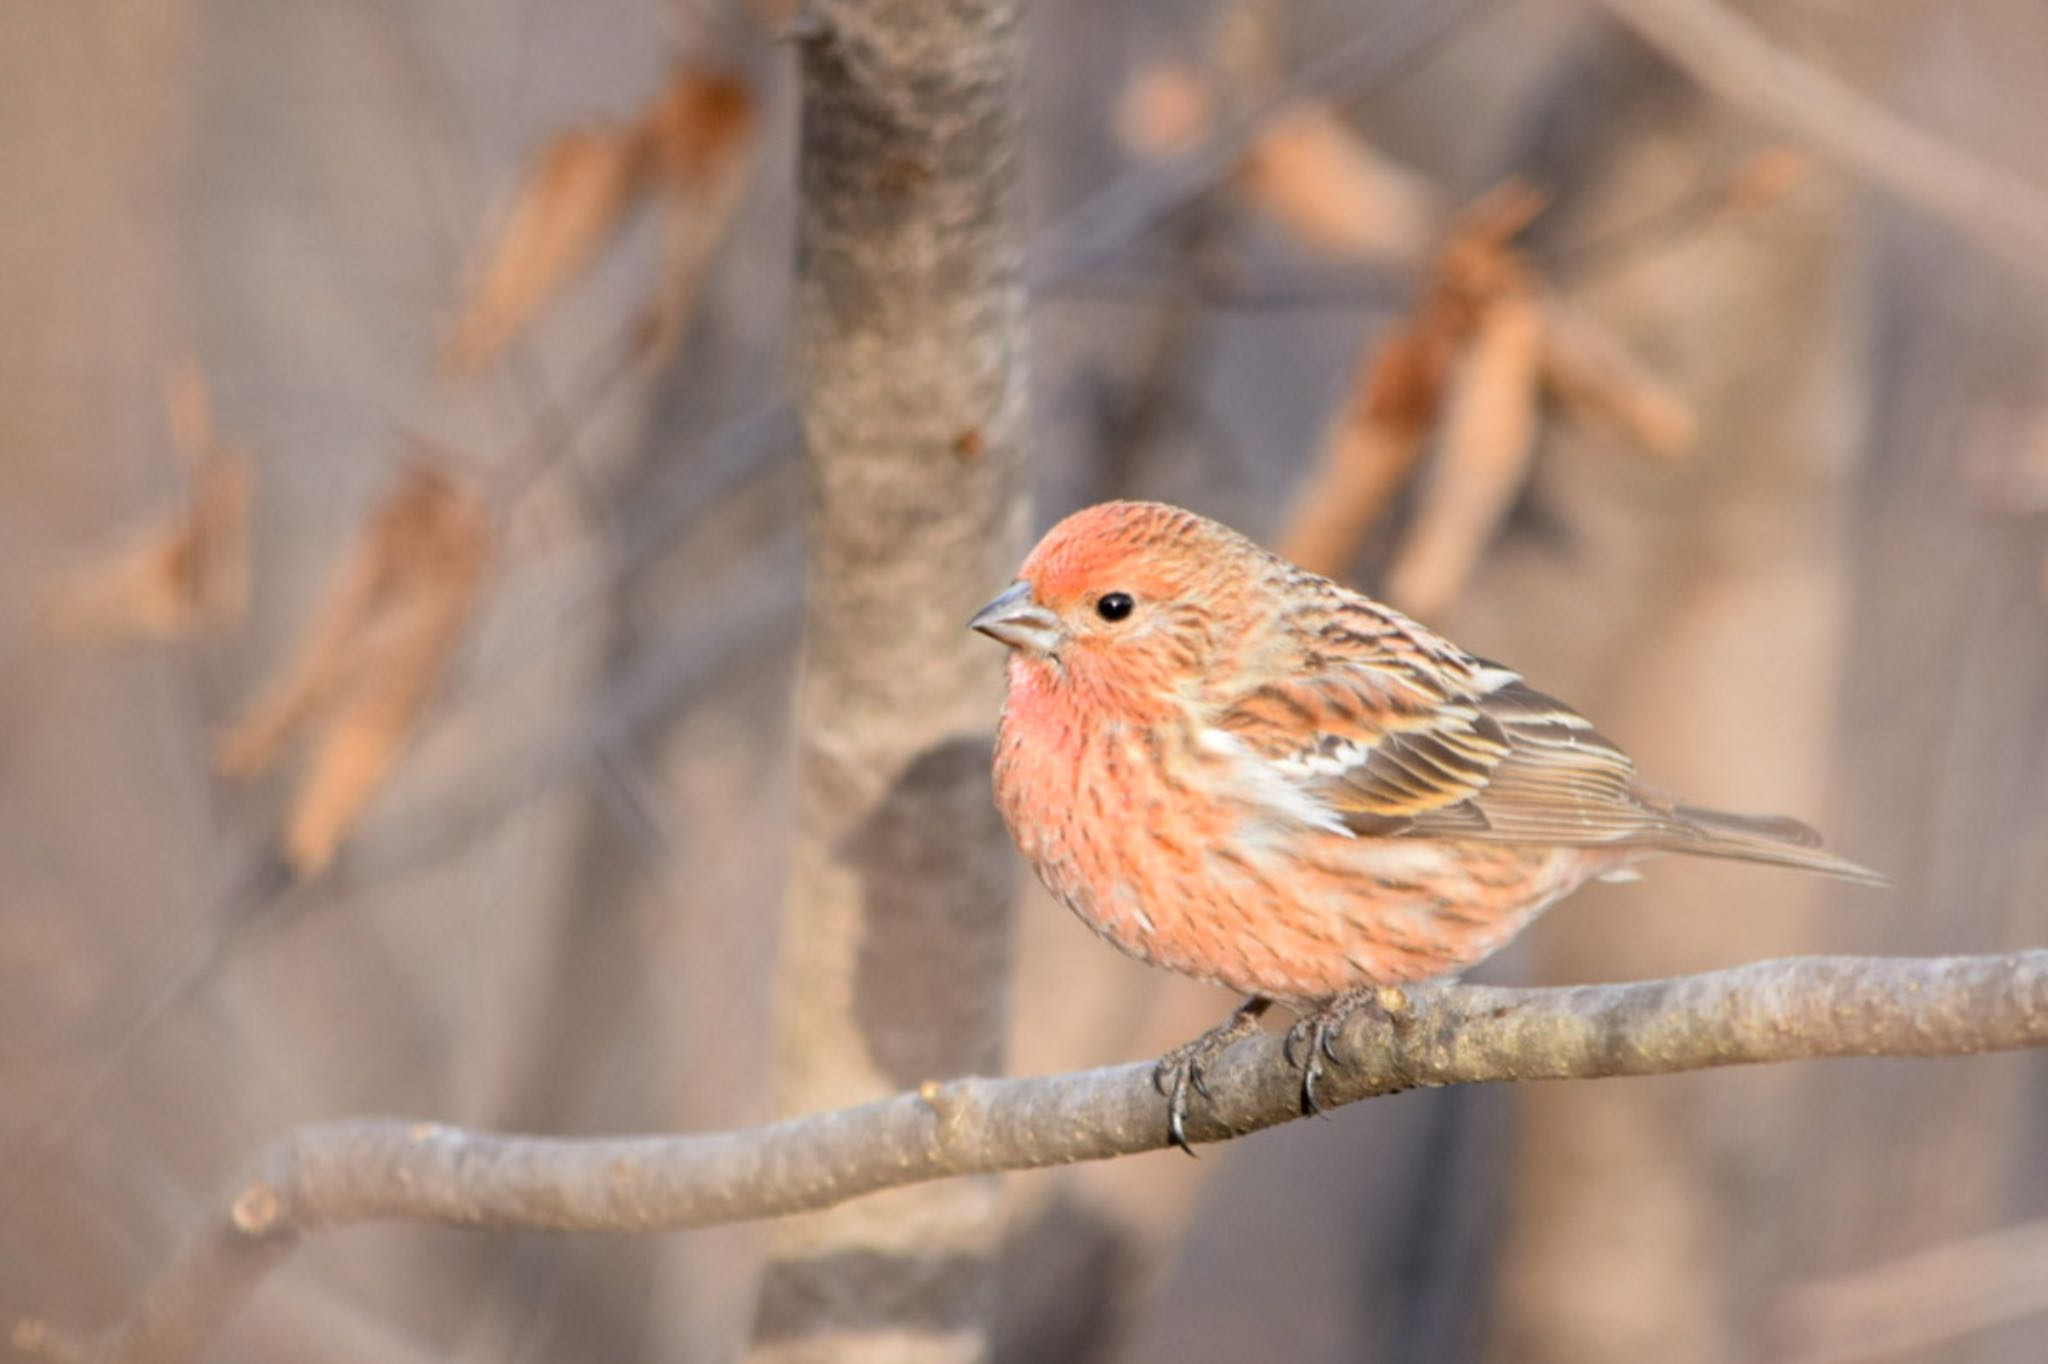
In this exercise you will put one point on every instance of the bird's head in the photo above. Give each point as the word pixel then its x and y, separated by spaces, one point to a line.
pixel 1135 597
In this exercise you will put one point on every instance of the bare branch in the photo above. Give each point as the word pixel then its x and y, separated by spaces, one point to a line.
pixel 1730 57
pixel 340 1173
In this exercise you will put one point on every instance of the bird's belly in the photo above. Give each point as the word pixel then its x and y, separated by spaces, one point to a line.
pixel 1222 892
pixel 1328 914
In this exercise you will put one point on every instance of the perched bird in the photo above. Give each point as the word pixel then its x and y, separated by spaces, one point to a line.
pixel 1240 770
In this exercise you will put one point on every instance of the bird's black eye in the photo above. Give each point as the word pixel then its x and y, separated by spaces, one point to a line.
pixel 1114 605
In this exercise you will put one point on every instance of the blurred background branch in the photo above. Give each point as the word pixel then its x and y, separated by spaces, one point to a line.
pixel 1736 61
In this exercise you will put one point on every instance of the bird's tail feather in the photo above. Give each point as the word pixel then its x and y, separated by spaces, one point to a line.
pixel 1762 838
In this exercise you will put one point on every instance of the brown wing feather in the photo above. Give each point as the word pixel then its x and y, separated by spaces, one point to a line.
pixel 1561 780
pixel 1400 733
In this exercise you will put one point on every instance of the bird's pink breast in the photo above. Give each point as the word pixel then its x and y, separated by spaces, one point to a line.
pixel 1137 830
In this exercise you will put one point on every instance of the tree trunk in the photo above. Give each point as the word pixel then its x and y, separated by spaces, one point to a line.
pixel 896 939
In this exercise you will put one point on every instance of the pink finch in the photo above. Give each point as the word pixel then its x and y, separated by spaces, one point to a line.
pixel 1232 767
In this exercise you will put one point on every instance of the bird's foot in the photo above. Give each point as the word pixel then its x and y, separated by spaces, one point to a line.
pixel 1311 1041
pixel 1185 1069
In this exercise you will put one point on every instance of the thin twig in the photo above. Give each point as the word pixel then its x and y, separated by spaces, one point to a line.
pixel 336 1174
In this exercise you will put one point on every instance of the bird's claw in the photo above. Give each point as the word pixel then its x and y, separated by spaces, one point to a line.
pixel 1307 1047
pixel 1179 1071
pixel 1177 1110
pixel 1312 1040
pixel 1185 1069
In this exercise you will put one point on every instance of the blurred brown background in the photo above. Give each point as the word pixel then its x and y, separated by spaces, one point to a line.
pixel 1796 558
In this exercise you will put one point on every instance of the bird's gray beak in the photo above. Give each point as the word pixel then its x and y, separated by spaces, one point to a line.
pixel 1018 621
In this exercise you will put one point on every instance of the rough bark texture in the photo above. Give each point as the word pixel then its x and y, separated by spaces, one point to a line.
pixel 896 940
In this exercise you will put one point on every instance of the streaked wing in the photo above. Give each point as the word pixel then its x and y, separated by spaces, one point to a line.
pixel 1561 781
pixel 1400 733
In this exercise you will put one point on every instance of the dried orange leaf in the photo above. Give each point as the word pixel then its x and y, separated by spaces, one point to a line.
pixel 174 578
pixel 1590 369
pixel 572 200
pixel 701 130
pixel 137 593
pixel 1166 109
pixel 1364 465
pixel 317 671
pixel 1475 260
pixel 185 571
pixel 1765 178
pixel 1310 173
pixel 1496 217
pixel 356 745
pixel 698 126
pixel 402 662
pixel 393 617
pixel 1371 448
pixel 1489 435
pixel 215 555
